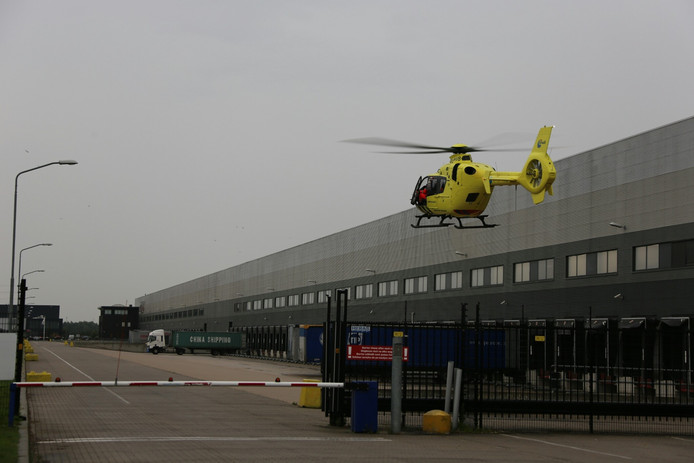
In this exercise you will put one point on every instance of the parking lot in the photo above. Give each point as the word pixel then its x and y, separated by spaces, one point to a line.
pixel 126 424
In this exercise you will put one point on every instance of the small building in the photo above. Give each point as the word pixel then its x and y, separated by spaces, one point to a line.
pixel 42 321
pixel 116 321
pixel 39 320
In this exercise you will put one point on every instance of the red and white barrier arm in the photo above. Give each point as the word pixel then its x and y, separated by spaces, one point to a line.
pixel 179 383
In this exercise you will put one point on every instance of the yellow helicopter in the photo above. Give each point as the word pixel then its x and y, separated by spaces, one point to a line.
pixel 461 189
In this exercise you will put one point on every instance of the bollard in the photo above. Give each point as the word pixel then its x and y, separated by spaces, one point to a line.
pixel 449 387
pixel 396 384
pixel 310 397
pixel 42 377
pixel 457 397
pixel 436 422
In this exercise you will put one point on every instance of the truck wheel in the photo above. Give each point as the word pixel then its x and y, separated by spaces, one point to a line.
pixel 179 351
pixel 155 350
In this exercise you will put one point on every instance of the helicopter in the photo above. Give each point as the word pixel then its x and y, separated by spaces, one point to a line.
pixel 462 188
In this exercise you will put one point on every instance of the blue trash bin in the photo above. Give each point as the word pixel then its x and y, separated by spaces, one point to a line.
pixel 365 406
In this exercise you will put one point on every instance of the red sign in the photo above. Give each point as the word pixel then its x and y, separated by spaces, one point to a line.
pixel 379 353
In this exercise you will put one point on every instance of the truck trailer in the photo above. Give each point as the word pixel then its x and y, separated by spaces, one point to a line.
pixel 217 343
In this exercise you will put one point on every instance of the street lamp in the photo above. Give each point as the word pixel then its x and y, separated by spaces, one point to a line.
pixel 29 273
pixel 65 162
pixel 43 323
pixel 20 319
pixel 19 269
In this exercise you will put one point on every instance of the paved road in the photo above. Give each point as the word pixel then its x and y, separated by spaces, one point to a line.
pixel 187 424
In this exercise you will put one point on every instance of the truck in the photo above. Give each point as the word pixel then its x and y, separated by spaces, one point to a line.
pixel 216 343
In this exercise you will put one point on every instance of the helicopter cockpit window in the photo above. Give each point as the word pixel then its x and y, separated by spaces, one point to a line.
pixel 435 185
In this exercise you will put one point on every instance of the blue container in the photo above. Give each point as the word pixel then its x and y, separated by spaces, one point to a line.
pixel 365 406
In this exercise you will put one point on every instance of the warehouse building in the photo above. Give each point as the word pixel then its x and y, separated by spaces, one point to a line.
pixel 615 241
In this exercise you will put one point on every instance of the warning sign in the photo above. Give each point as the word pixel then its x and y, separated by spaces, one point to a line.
pixel 378 353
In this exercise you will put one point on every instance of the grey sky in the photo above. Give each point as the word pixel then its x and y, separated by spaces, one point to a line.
pixel 207 132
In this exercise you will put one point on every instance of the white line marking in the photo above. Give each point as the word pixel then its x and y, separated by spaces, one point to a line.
pixel 83 373
pixel 70 365
pixel 89 440
pixel 569 447
pixel 683 439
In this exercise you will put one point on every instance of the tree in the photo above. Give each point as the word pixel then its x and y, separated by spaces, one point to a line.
pixel 83 328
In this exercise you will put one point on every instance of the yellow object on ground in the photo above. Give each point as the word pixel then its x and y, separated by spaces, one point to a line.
pixel 436 422
pixel 31 357
pixel 310 396
pixel 34 377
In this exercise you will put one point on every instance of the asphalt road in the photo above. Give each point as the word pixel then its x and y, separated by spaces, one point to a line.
pixel 190 424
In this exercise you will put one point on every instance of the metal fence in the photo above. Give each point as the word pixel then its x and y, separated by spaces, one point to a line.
pixel 595 375
pixel 4 401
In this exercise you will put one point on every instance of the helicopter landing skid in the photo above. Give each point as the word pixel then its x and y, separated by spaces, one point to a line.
pixel 443 222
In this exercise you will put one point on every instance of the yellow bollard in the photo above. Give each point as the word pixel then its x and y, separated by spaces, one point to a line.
pixel 436 422
pixel 310 396
pixel 43 377
pixel 31 357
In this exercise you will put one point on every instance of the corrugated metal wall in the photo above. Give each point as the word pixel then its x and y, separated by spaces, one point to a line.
pixel 643 182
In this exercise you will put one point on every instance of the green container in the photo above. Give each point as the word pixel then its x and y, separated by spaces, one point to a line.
pixel 216 342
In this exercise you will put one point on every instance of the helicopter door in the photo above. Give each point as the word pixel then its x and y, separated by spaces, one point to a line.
pixel 427 187
pixel 435 199
pixel 419 195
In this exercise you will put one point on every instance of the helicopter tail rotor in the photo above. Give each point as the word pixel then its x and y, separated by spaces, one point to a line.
pixel 539 172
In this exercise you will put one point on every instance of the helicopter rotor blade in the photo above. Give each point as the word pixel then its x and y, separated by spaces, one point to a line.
pixel 428 149
pixel 396 143
pixel 452 149
pixel 414 152
pixel 504 150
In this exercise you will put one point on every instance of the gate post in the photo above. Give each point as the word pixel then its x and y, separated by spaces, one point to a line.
pixel 478 368
pixel 20 342
pixel 591 369
pixel 396 384
pixel 328 349
pixel 337 415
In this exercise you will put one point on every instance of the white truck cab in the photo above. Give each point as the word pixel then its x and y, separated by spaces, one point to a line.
pixel 156 341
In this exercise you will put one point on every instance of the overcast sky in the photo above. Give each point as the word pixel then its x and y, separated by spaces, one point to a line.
pixel 208 132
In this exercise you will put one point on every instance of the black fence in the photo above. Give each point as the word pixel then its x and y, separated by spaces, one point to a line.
pixel 595 375
pixel 4 401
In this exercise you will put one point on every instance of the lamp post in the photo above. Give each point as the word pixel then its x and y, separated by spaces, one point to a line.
pixel 20 322
pixel 19 267
pixel 65 162
pixel 43 323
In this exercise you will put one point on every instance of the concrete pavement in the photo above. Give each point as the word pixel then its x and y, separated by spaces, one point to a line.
pixel 127 424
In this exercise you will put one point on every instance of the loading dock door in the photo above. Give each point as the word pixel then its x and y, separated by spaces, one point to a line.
pixel 674 349
pixel 599 352
pixel 537 346
pixel 636 347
